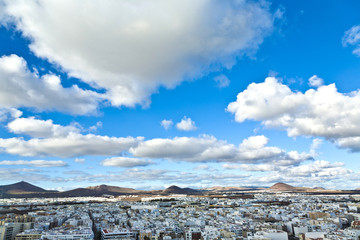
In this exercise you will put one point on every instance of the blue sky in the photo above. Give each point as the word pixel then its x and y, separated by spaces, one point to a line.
pixel 150 94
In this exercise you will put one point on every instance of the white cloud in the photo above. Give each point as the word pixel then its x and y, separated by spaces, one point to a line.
pixel 167 124
pixel 96 126
pixel 64 143
pixel 250 167
pixel 34 163
pixel 131 48
pixel 319 168
pixel 202 167
pixel 350 143
pixel 8 113
pixel 207 148
pixel 222 81
pixel 315 81
pixel 21 88
pixel 40 128
pixel 352 37
pixel 72 145
pixel 51 139
pixel 126 162
pixel 316 143
pixel 186 124
pixel 322 112
pixel 79 160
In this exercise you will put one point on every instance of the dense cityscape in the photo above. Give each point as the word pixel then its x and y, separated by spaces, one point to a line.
pixel 272 214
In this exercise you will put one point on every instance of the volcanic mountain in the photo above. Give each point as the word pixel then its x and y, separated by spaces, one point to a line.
pixel 177 190
pixel 230 189
pixel 99 191
pixel 282 187
pixel 22 188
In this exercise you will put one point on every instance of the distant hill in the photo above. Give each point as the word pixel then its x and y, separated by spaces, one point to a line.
pixel 282 187
pixel 20 188
pixel 106 188
pixel 99 191
pixel 23 189
pixel 230 189
pixel 26 190
pixel 177 190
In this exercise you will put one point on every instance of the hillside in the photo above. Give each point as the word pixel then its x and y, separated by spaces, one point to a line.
pixel 21 188
pixel 282 187
pixel 177 190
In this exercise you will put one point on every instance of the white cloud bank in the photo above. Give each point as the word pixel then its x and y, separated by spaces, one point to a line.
pixel 126 162
pixel 34 163
pixel 321 112
pixel 72 145
pixel 50 139
pixel 208 148
pixel 130 48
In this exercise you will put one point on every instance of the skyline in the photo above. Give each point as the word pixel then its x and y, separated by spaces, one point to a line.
pixel 153 94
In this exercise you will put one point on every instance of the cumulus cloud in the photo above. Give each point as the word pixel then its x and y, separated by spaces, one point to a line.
pixel 19 87
pixel 40 128
pixel 126 162
pixel 72 145
pixel 79 160
pixel 50 139
pixel 186 124
pixel 352 38
pixel 316 81
pixel 131 48
pixel 208 148
pixel 166 124
pixel 222 81
pixel 9 113
pixel 313 169
pixel 321 112
pixel 34 163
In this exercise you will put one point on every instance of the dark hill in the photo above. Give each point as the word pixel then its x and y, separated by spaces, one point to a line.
pixel 177 190
pixel 24 189
pixel 99 191
pixel 20 188
pixel 282 187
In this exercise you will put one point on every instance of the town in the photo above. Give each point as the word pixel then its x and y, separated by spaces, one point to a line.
pixel 277 216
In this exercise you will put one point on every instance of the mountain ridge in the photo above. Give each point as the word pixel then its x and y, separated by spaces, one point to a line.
pixel 24 189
